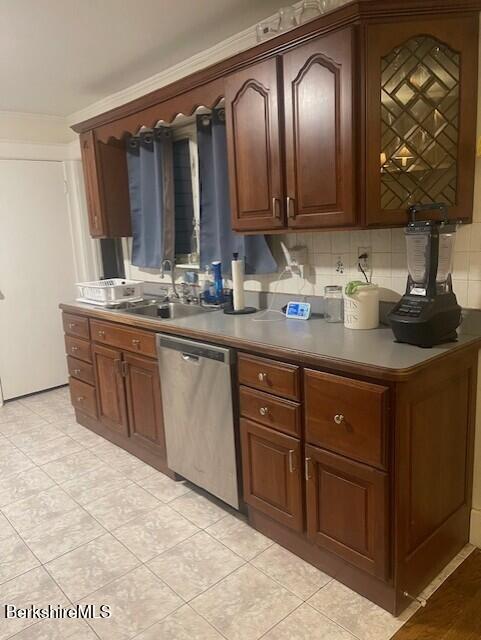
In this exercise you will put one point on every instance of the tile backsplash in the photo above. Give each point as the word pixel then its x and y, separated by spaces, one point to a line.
pixel 332 259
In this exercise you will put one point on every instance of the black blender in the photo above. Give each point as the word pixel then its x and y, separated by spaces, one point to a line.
pixel 428 313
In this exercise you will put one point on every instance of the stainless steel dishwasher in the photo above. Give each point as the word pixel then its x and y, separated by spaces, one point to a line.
pixel 196 385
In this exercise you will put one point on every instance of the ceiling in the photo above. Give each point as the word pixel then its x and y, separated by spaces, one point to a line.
pixel 59 56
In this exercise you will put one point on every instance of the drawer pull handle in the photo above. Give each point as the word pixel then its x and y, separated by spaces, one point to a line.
pixel 136 343
pixel 74 348
pixel 71 325
pixel 101 334
pixel 306 468
pixel 80 398
pixel 262 377
pixel 263 411
pixel 77 372
pixel 338 418
pixel 291 461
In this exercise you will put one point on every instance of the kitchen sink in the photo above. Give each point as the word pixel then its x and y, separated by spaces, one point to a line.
pixel 167 310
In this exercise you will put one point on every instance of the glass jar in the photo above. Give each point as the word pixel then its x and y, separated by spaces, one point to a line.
pixel 310 10
pixel 333 304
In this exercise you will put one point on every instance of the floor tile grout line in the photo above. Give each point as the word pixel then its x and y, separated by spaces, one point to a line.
pixel 280 583
pixel 281 620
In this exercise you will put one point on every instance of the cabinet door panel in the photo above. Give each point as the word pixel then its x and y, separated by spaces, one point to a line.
pixel 320 154
pixel 110 388
pixel 272 473
pixel 421 95
pixel 144 401
pixel 106 186
pixel 253 143
pixel 347 510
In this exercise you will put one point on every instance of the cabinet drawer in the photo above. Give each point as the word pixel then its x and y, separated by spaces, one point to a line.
pixel 76 326
pixel 347 510
pixel 81 370
pixel 346 416
pixel 282 415
pixel 272 472
pixel 268 375
pixel 78 348
pixel 123 338
pixel 83 397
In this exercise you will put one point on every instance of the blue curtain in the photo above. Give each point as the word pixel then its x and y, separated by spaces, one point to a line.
pixel 217 240
pixel 150 168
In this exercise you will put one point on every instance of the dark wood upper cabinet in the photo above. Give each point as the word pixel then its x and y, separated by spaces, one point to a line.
pixel 421 104
pixel 319 130
pixel 106 187
pixel 112 406
pixel 142 382
pixel 254 148
pixel 347 510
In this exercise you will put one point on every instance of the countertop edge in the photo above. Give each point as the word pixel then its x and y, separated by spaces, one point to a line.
pixel 262 348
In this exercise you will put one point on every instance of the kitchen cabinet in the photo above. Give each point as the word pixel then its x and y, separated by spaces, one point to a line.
pixel 110 388
pixel 272 473
pixel 342 122
pixel 115 385
pixel 254 148
pixel 421 93
pixel 363 471
pixel 106 187
pixel 142 384
pixel 312 109
pixel 319 128
pixel 346 506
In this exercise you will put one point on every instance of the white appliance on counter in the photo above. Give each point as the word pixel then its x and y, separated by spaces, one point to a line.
pixel 196 383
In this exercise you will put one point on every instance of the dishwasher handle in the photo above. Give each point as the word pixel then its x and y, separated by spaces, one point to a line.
pixel 194 349
pixel 188 357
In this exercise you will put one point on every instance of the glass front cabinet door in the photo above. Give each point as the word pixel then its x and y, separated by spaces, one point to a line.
pixel 421 102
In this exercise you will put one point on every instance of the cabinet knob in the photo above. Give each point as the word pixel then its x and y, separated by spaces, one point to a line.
pixel 135 343
pixel 338 418
pixel 264 411
pixel 80 398
pixel 74 348
pixel 71 325
pixel 262 377
pixel 76 372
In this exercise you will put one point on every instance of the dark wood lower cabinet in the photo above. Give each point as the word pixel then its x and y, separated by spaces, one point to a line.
pixel 347 509
pixel 142 384
pixel 271 464
pixel 112 406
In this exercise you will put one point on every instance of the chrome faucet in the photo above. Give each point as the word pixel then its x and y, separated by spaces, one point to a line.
pixel 171 263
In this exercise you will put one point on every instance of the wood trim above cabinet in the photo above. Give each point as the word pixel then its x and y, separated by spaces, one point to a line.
pixel 349 14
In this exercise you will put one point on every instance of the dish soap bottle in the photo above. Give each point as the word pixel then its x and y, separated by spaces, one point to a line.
pixel 218 283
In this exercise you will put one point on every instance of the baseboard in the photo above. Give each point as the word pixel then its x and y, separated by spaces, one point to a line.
pixel 475 534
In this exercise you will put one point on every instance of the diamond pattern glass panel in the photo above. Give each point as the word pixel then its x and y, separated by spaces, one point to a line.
pixel 419 113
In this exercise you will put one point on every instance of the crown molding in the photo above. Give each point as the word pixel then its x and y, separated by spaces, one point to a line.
pixel 229 47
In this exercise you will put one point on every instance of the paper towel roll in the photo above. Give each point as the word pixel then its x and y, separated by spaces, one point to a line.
pixel 238 283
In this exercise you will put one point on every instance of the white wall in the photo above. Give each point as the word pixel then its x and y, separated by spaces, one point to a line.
pixel 34 128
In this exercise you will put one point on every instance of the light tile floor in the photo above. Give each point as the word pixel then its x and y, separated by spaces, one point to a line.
pixel 82 521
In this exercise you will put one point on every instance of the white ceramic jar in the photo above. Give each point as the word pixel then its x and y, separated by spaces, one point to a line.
pixel 361 309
